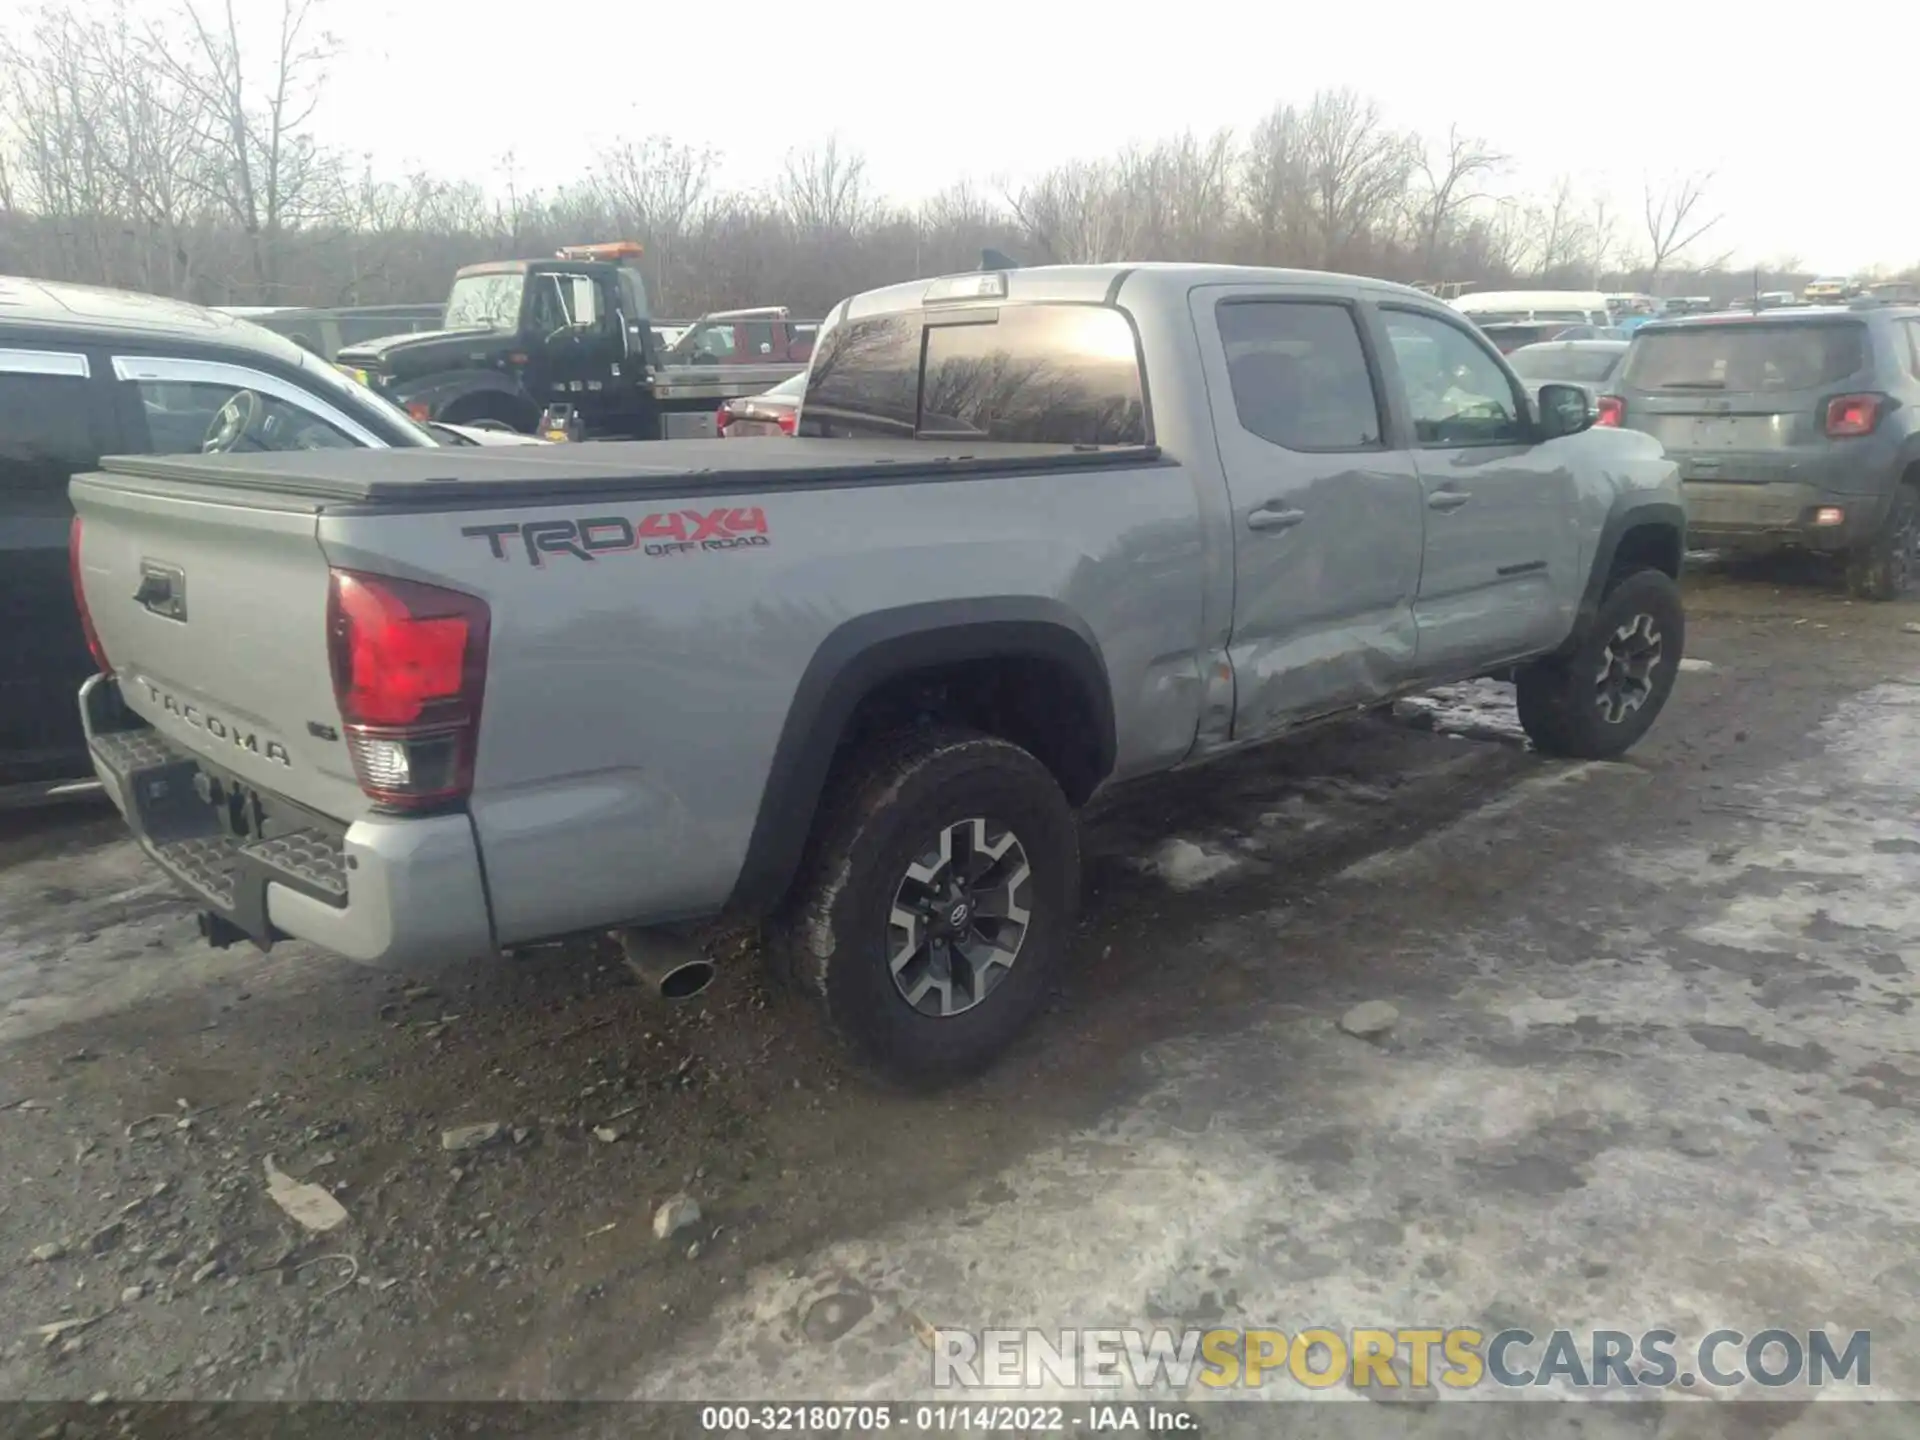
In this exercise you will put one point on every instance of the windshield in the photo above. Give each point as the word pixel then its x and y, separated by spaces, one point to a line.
pixel 485 302
pixel 391 423
pixel 1746 357
pixel 1549 362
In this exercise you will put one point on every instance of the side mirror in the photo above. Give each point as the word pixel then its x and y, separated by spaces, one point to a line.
pixel 1566 410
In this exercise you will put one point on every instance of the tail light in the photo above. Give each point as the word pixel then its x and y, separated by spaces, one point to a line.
pixel 1613 411
pixel 1854 414
pixel 790 422
pixel 722 418
pixel 80 599
pixel 409 666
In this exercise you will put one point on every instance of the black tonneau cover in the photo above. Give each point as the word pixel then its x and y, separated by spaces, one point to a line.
pixel 508 473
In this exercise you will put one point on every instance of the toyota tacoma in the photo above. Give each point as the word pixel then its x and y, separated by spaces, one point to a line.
pixel 1047 531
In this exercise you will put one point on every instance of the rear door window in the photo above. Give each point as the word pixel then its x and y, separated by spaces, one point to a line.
pixel 756 340
pixel 47 435
pixel 1747 357
pixel 46 429
pixel 864 382
pixel 1299 374
pixel 1047 374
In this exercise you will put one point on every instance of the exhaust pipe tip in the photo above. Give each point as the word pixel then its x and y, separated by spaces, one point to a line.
pixel 683 982
pixel 670 967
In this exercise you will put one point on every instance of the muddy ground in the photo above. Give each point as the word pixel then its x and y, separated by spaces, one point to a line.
pixel 1653 1064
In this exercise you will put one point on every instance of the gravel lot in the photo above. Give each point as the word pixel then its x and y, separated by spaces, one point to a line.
pixel 1651 1064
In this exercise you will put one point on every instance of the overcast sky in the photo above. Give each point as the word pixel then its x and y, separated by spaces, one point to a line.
pixel 1612 94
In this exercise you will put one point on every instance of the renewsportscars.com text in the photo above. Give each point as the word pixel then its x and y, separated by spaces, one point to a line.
pixel 1457 1358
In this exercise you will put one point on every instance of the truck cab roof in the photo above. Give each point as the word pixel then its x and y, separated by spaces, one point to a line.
pixel 1098 284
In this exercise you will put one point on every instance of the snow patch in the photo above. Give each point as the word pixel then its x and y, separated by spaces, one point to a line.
pixel 1473 709
pixel 1184 865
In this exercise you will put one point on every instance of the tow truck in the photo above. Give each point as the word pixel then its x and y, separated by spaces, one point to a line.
pixel 523 337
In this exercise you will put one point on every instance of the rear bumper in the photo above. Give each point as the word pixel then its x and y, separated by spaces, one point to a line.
pixel 1776 515
pixel 379 890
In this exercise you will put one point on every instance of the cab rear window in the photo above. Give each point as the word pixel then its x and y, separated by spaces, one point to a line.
pixel 1747 357
pixel 1045 374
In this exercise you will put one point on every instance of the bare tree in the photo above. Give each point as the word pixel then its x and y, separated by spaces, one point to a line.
pixel 1355 168
pixel 1560 235
pixel 1602 237
pixel 1077 213
pixel 270 174
pixel 1273 183
pixel 824 188
pixel 1450 179
pixel 180 156
pixel 656 189
pixel 1676 218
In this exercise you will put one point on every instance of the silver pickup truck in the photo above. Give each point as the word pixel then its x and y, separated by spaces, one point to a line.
pixel 1055 529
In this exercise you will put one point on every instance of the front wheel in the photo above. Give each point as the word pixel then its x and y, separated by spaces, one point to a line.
pixel 1597 702
pixel 936 902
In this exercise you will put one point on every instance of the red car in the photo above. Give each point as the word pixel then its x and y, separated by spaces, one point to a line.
pixel 761 336
pixel 773 412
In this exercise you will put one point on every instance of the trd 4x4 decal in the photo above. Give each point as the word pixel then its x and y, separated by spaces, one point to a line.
pixel 666 532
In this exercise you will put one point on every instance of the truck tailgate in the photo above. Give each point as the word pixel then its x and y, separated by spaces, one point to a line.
pixel 212 609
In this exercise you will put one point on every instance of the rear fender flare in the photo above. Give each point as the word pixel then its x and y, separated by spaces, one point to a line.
pixel 870 650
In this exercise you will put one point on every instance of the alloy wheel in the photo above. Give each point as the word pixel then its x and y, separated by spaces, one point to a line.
pixel 1626 668
pixel 960 917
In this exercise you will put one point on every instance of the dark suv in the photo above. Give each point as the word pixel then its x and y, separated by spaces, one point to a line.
pixel 1791 429
pixel 86 373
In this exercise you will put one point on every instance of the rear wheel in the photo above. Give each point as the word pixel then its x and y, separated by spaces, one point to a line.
pixel 936 902
pixel 1883 568
pixel 1597 702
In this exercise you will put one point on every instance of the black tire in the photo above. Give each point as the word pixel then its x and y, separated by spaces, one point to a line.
pixel 1567 705
pixel 1883 568
pixel 887 806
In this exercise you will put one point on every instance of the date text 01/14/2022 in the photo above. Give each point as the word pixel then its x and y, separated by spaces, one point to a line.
pixel 669 532
pixel 936 1419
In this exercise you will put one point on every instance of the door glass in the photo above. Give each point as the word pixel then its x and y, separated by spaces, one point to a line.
pixel 1457 394
pixel 865 382
pixel 184 417
pixel 1038 374
pixel 1299 376
pixel 758 340
pixel 45 437
pixel 713 343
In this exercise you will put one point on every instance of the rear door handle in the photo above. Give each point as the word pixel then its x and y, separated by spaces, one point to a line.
pixel 1272 517
pixel 1448 499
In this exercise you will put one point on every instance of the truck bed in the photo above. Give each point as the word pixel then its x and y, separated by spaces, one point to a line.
pixel 483 476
